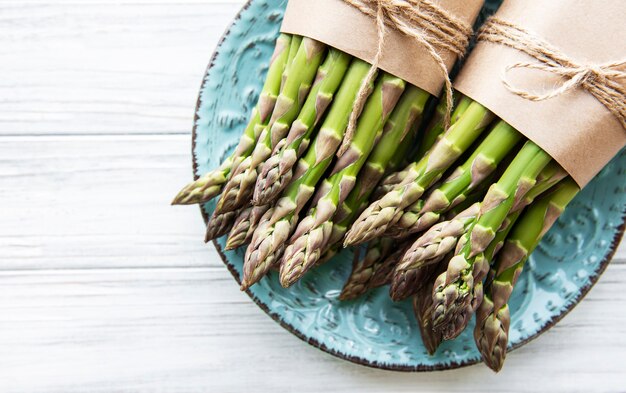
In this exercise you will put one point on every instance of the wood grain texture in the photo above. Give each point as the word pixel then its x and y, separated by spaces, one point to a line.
pixel 104 287
pixel 122 68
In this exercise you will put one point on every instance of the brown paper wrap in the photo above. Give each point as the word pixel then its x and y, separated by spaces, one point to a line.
pixel 579 132
pixel 342 26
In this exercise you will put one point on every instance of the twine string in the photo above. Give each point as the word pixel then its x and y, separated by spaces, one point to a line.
pixel 604 81
pixel 425 22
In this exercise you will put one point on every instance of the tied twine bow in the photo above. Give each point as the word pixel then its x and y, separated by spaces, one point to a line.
pixel 426 23
pixel 601 80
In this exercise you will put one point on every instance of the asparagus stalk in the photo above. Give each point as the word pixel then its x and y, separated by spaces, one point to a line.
pixel 429 249
pixel 277 170
pixel 442 238
pixel 436 126
pixel 485 159
pixel 314 231
pixel 549 176
pixel 244 226
pixel 268 241
pixel 454 294
pixel 431 135
pixel 296 41
pixel 423 309
pixel 220 224
pixel 388 154
pixel 210 185
pixel 493 316
pixel 399 152
pixel 207 187
pixel 364 269
pixel 238 190
pixel 382 274
pixel 386 211
pixel 390 159
pixel 243 229
pixel 374 270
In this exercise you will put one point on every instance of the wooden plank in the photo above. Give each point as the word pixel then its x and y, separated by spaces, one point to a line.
pixel 97 202
pixel 102 67
pixel 180 330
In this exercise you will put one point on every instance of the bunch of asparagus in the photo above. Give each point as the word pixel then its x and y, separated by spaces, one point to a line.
pixel 462 241
pixel 452 229
pixel 288 191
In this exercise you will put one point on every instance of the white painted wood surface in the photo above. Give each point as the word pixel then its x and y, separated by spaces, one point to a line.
pixel 104 287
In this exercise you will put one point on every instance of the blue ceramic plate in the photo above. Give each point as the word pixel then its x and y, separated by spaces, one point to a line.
pixel 374 331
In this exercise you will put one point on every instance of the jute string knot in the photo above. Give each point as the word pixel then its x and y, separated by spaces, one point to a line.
pixel 422 20
pixel 603 81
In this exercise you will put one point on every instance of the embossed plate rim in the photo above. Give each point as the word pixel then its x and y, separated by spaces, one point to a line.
pixel 355 359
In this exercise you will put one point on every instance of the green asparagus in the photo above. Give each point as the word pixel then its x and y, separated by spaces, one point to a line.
pixel 269 239
pixel 388 154
pixel 244 226
pixel 429 249
pixel 386 211
pixel 485 159
pixel 238 190
pixel 210 185
pixel 493 316
pixel 423 309
pixel 364 269
pixel 432 134
pixel 454 289
pixel 314 230
pixel 220 224
pixel 277 170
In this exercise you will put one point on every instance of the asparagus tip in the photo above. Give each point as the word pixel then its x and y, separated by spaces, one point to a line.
pixel 182 198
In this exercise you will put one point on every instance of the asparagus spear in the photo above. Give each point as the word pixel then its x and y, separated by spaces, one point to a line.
pixel 296 41
pixel 220 224
pixel 374 270
pixel 210 185
pixel 437 242
pixel 423 309
pixel 388 154
pixel 207 187
pixel 277 170
pixel 278 223
pixel 314 231
pixel 363 269
pixel 383 158
pixel 436 126
pixel 485 159
pixel 549 176
pixel 431 135
pixel 442 238
pixel 454 295
pixel 493 316
pixel 238 190
pixel 244 226
pixel 243 229
pixel 429 249
pixel 382 274
pixel 375 220
pixel 398 152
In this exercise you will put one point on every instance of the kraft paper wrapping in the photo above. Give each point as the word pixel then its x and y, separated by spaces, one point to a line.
pixel 574 128
pixel 342 26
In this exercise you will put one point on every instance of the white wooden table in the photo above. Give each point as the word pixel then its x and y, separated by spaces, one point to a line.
pixel 105 287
